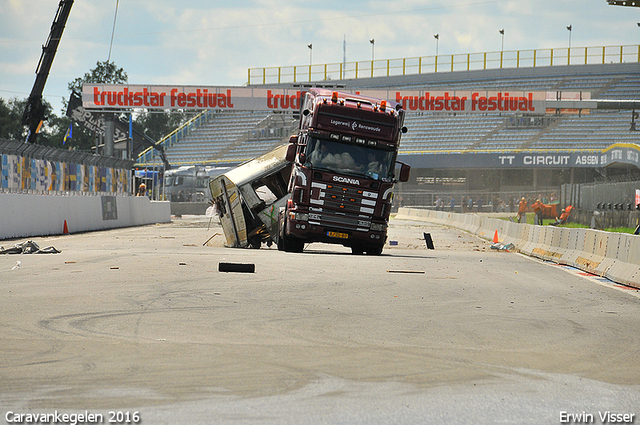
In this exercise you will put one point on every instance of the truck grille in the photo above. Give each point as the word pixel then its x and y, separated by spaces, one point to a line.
pixel 340 205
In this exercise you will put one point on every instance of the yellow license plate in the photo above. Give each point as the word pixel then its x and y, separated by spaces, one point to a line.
pixel 338 235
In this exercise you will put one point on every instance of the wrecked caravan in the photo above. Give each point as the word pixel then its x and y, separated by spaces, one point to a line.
pixel 248 199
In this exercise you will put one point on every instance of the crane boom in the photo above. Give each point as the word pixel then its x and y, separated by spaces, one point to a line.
pixel 34 111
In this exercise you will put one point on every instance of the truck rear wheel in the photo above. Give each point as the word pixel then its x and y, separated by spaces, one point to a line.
pixel 255 242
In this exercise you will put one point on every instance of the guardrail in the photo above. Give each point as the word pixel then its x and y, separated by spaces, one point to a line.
pixel 445 63
pixel 615 256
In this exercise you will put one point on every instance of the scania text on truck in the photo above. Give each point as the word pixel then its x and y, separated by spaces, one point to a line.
pixel 344 165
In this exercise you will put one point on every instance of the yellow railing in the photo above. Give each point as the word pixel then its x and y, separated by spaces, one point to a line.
pixel 445 63
pixel 148 155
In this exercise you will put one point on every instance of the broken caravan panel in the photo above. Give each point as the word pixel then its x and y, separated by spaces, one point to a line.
pixel 343 174
pixel 249 197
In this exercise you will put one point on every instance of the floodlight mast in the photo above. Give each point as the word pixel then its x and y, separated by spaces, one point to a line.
pixel 624 3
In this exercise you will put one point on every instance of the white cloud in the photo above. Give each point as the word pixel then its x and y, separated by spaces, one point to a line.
pixel 204 42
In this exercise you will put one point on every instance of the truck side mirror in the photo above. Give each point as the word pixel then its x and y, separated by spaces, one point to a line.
pixel 291 151
pixel 405 170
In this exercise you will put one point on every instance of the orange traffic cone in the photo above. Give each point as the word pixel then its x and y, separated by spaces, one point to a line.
pixel 65 229
pixel 495 237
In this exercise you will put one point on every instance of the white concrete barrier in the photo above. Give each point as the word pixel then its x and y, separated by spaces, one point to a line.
pixel 610 256
pixel 23 215
pixel 563 245
pixel 529 244
pixel 628 272
pixel 613 255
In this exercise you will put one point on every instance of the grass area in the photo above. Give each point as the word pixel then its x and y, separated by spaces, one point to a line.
pixel 545 222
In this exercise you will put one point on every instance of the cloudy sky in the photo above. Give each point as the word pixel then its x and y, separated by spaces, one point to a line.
pixel 208 42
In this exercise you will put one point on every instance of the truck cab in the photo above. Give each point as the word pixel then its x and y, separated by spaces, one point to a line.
pixel 344 169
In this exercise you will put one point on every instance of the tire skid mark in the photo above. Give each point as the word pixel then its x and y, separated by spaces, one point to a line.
pixel 83 324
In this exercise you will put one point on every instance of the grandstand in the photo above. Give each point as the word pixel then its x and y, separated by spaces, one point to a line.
pixel 223 138
pixel 457 151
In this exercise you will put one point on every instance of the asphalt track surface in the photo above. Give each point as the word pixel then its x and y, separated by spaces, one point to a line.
pixel 140 320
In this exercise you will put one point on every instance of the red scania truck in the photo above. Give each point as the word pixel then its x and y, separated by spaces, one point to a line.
pixel 344 165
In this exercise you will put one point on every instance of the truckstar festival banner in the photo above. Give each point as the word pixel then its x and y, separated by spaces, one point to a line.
pixel 109 96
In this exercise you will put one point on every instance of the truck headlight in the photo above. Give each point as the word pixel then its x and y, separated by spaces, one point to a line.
pixel 378 227
pixel 301 216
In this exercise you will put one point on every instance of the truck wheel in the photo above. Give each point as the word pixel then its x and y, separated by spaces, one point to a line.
pixel 281 232
pixel 292 244
pixel 255 243
pixel 357 250
pixel 375 250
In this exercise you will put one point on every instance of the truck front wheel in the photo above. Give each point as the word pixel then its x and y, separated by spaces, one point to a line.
pixel 291 243
pixel 374 249
pixel 288 243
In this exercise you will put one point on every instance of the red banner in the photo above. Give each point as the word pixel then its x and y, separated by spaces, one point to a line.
pixel 110 96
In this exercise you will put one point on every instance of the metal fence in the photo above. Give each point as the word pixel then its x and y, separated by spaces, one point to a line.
pixel 445 63
pixel 481 200
pixel 592 196
pixel 36 169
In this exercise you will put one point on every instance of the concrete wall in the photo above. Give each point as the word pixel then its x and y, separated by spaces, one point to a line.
pixel 188 208
pixel 615 256
pixel 23 215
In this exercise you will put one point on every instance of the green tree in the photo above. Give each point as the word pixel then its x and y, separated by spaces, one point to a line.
pixel 156 125
pixel 11 127
pixel 104 73
pixel 10 120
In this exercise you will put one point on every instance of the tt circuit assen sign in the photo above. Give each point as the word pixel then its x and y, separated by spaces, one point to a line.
pixel 620 153
pixel 109 96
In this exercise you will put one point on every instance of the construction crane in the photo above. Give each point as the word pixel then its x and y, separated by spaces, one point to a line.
pixel 33 115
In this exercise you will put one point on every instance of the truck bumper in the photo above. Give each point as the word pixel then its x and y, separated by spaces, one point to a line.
pixel 313 232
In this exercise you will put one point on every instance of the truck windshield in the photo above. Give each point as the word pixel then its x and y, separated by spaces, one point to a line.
pixel 350 159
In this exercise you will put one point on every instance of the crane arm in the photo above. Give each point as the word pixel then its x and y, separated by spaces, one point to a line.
pixel 34 111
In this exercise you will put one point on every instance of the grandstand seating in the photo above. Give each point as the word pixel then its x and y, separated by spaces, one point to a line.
pixel 216 138
pixel 589 130
pixel 227 137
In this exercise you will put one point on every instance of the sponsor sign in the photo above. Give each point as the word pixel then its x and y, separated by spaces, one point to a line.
pixel 625 154
pixel 472 102
pixel 355 127
pixel 118 96
pixel 568 96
